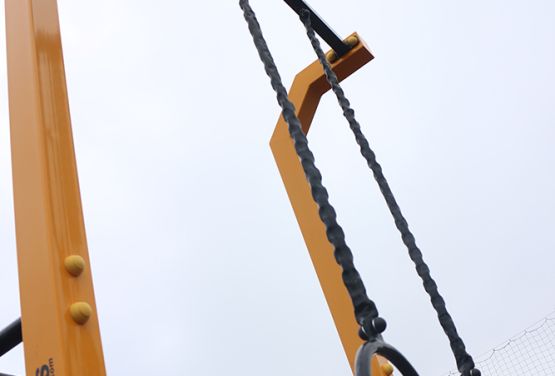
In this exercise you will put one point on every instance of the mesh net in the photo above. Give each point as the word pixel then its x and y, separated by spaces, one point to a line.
pixel 531 352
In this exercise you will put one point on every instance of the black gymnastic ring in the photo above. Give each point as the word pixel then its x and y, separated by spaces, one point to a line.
pixel 377 346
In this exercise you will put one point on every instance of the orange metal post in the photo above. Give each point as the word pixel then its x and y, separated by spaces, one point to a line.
pixel 60 326
pixel 307 89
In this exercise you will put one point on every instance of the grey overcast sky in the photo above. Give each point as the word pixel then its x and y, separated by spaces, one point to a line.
pixel 198 263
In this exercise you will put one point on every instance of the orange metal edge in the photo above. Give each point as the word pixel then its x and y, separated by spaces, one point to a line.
pixel 48 213
pixel 305 93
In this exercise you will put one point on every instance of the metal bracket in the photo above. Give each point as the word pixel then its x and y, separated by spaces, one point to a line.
pixel 308 87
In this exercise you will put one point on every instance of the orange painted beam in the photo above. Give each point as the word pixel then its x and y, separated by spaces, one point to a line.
pixel 60 327
pixel 305 93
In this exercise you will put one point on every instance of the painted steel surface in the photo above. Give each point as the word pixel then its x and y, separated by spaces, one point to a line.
pixel 305 93
pixel 48 213
pixel 320 26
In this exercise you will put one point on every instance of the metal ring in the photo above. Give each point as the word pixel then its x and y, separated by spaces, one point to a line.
pixel 378 347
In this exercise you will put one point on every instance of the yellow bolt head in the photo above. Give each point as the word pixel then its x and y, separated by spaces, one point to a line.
pixel 80 312
pixel 331 56
pixel 387 368
pixel 74 265
pixel 351 41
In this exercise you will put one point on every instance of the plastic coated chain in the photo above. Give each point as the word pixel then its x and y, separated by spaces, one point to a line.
pixel 465 363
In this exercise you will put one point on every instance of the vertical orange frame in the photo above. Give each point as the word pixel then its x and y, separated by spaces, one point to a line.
pixel 305 93
pixel 60 326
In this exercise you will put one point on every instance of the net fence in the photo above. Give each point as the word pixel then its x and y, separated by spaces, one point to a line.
pixel 531 352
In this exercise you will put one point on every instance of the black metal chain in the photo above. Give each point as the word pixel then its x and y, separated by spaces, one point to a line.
pixel 364 308
pixel 465 363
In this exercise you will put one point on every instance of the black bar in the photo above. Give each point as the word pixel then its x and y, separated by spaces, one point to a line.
pixel 10 337
pixel 320 27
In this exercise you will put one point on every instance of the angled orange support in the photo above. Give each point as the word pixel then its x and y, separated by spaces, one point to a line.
pixel 60 326
pixel 305 93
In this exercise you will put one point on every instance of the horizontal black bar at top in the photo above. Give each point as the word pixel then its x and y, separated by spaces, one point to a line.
pixel 320 27
pixel 10 337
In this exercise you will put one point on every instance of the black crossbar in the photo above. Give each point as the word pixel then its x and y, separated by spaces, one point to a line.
pixel 321 28
pixel 10 337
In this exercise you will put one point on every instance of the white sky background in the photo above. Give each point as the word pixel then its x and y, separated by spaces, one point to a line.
pixel 198 263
